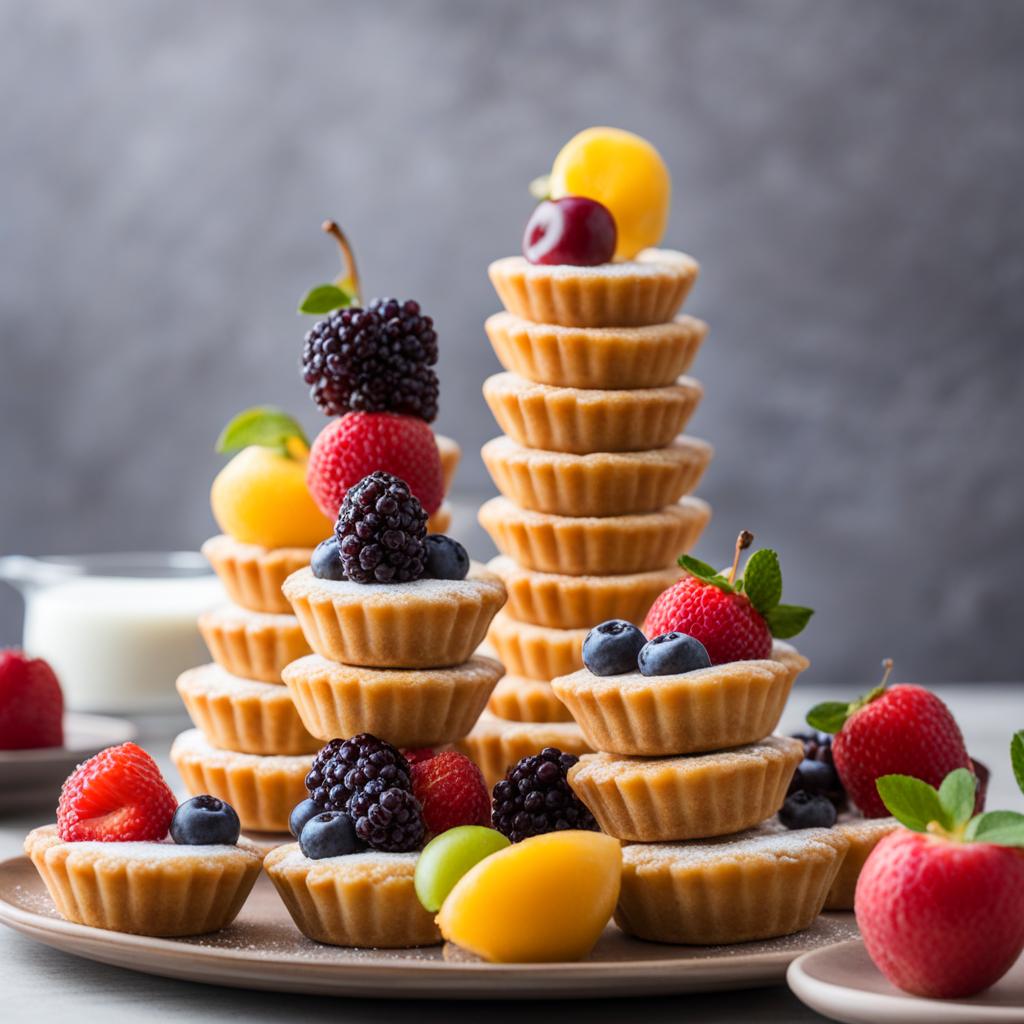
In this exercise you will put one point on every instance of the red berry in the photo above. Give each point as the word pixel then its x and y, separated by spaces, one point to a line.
pixel 418 755
pixel 451 790
pixel 906 730
pixel 359 443
pixel 31 704
pixel 118 795
pixel 728 625
pixel 941 918
pixel 572 230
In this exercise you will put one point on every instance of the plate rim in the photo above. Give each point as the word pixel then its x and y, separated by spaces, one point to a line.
pixel 35 755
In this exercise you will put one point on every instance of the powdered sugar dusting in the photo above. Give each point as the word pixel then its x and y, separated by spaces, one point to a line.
pixel 304 583
pixel 755 845
pixel 649 263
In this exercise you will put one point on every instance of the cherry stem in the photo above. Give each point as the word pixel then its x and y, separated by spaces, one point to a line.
pixel 348 260
pixel 743 541
pixel 887 666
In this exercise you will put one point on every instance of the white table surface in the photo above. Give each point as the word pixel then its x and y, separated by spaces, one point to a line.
pixel 41 983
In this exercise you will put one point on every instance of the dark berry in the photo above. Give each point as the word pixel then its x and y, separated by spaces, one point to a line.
pixel 446 558
pixel 380 531
pixel 818 749
pixel 815 777
pixel 535 797
pixel 672 654
pixel 205 821
pixel 611 648
pixel 301 813
pixel 572 230
pixel 807 810
pixel 377 359
pixel 326 560
pixel 328 834
pixel 343 767
pixel 387 818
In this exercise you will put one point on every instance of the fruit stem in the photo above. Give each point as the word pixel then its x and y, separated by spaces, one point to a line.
pixel 348 259
pixel 743 541
pixel 887 667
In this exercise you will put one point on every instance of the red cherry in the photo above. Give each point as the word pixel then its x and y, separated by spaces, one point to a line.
pixel 572 230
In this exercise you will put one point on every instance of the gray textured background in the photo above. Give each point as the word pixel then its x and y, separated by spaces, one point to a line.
pixel 848 173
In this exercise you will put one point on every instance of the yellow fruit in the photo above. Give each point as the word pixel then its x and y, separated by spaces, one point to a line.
pixel 625 173
pixel 547 898
pixel 260 497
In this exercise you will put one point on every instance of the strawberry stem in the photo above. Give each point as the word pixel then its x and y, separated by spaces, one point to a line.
pixel 743 541
pixel 349 272
pixel 887 667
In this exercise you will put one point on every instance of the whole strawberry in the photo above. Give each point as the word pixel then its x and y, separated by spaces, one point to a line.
pixel 734 618
pixel 31 703
pixel 900 729
pixel 359 443
pixel 451 791
pixel 941 907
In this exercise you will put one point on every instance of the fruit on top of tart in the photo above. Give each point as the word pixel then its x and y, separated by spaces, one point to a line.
pixel 448 856
pixel 31 703
pixel 572 230
pixel 734 617
pixel 901 729
pixel 329 834
pixel 615 647
pixel 940 903
pixel 623 172
pixel 260 496
pixel 451 791
pixel 545 899
pixel 205 821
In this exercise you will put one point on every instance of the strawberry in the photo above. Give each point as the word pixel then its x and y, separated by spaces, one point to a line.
pixel 418 754
pixel 31 704
pixel 901 729
pixel 735 619
pixel 451 790
pixel 940 904
pixel 118 795
pixel 358 443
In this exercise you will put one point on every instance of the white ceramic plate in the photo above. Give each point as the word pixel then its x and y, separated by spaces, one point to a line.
pixel 263 950
pixel 842 983
pixel 32 778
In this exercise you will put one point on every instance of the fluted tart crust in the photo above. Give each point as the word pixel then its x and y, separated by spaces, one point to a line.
pixel 252 645
pixel 253 575
pixel 863 835
pixel 537 652
pixel 451 454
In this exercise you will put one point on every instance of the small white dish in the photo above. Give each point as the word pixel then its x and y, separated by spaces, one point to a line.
pixel 843 984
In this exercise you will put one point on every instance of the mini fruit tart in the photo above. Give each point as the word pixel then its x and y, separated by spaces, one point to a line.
pixel 441 520
pixel 451 454
pixel 863 835
pixel 252 575
pixel 252 645
pixel 596 357
pixel 688 797
pixel 519 699
pixel 536 652
pixel 648 289
pixel 580 422
pixel 408 708
pixel 600 484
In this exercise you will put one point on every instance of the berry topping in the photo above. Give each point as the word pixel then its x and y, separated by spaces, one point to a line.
pixel 326 560
pixel 388 818
pixel 301 813
pixel 380 529
pixel 451 791
pixel 807 810
pixel 447 857
pixel 343 767
pixel 573 230
pixel 672 654
pixel 734 618
pixel 31 704
pixel 535 797
pixel 418 756
pixel 328 834
pixel 611 648
pixel 352 447
pixel 118 795
pixel 205 821
pixel 446 558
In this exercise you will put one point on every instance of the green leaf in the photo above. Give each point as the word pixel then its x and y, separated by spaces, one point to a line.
pixel 912 802
pixel 706 573
pixel 829 716
pixel 323 298
pixel 786 620
pixel 262 425
pixel 1004 828
pixel 1017 758
pixel 762 580
pixel 956 794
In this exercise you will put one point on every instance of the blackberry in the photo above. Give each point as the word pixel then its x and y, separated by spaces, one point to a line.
pixel 388 818
pixel 344 767
pixel 535 797
pixel 377 359
pixel 381 530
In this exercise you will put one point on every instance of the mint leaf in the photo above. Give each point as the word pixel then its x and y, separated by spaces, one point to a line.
pixel 324 298
pixel 1017 758
pixel 1004 828
pixel 704 572
pixel 912 802
pixel 956 794
pixel 762 580
pixel 828 717
pixel 261 425
pixel 786 620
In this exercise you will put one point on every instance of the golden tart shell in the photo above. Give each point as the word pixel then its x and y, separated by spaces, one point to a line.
pixel 863 835
pixel 157 889
pixel 527 700
pixel 409 708
pixel 536 652
pixel 441 520
pixel 253 575
pixel 450 453
pixel 252 645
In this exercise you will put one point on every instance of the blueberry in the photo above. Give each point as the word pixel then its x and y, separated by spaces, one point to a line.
pixel 672 654
pixel 446 558
pixel 330 834
pixel 326 560
pixel 807 810
pixel 611 648
pixel 816 777
pixel 301 813
pixel 205 821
